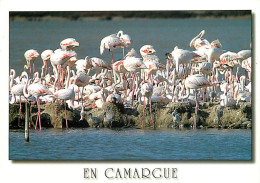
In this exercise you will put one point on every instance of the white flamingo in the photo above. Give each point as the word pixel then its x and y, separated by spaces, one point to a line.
pixel 36 90
pixel 195 82
pixel 111 42
pixel 146 92
pixel 69 44
pixel 126 39
pixel 46 55
pixel 30 56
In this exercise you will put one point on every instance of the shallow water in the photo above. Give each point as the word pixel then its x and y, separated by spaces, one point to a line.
pixel 163 34
pixel 131 144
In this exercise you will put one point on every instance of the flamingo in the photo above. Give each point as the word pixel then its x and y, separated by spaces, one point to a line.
pixel 147 91
pixel 111 42
pixel 69 44
pixel 126 39
pixel 182 56
pixel 30 56
pixel 244 54
pixel 147 50
pixel 81 80
pixel 12 76
pixel 195 82
pixel 46 55
pixel 57 59
pixel 132 64
pixel 84 64
pixel 213 53
pixel 35 90
pixel 17 90
pixel 66 94
pixel 200 44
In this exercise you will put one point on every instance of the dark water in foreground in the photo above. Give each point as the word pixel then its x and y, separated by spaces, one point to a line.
pixel 131 144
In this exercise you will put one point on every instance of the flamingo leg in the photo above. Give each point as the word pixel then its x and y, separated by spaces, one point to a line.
pixel 33 68
pixel 39 114
pixel 46 68
pixel 196 111
pixel 82 95
pixel 37 119
pixel 133 89
pixel 29 65
pixel 20 111
pixel 65 111
pixel 151 112
pixel 62 78
pixel 112 58
pixel 123 52
pixel 78 96
pixel 143 113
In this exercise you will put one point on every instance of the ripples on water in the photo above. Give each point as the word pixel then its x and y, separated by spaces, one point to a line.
pixel 131 144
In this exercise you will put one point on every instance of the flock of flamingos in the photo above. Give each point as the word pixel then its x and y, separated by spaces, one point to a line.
pixel 205 73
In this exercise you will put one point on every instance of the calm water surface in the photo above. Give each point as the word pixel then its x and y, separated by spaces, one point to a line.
pixel 131 144
pixel 163 34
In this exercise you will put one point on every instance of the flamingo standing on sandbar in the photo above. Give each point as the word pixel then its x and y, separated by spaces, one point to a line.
pixel 132 64
pixel 111 42
pixel 17 90
pixel 126 39
pixel 183 57
pixel 66 94
pixel 195 82
pixel 46 55
pixel 147 91
pixel 58 58
pixel 35 90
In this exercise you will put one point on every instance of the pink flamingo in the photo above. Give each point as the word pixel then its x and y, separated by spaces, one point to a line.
pixel 58 58
pixel 147 50
pixel 81 80
pixel 126 39
pixel 30 56
pixel 36 90
pixel 66 94
pixel 147 91
pixel 132 64
pixel 111 42
pixel 200 44
pixel 195 82
pixel 17 90
pixel 46 55
pixel 69 44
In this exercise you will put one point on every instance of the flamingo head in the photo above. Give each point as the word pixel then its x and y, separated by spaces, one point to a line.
pixel 216 44
pixel 147 50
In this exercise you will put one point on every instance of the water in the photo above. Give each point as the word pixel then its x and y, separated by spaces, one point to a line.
pixel 131 144
pixel 163 34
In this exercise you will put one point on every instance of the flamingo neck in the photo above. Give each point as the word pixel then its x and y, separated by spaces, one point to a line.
pixel 25 91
